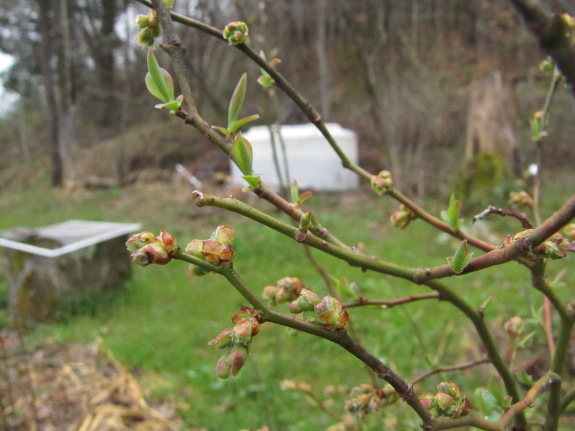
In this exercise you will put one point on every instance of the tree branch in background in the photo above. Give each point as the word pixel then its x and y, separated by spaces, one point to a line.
pixel 553 34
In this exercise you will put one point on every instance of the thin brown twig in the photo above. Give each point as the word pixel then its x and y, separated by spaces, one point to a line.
pixel 504 212
pixel 456 367
pixel 362 302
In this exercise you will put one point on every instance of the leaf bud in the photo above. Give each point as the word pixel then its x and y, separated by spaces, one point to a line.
pixel 331 313
pixel 306 301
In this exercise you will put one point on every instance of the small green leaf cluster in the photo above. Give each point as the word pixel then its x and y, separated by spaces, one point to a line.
pixel 492 400
pixel 150 28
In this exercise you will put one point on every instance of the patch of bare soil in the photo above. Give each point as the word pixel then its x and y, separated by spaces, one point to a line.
pixel 71 387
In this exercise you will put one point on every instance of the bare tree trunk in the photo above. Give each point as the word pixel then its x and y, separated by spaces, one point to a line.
pixel 46 19
pixel 320 48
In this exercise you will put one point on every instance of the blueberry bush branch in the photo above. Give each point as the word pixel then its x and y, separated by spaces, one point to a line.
pixel 327 317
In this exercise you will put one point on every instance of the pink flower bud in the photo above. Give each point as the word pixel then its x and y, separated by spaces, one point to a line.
pixel 231 363
pixel 169 242
pixel 449 388
pixel 444 401
pixel 246 328
pixel 195 248
pixel 139 240
pixel 223 339
pixel 224 234
pixel 154 253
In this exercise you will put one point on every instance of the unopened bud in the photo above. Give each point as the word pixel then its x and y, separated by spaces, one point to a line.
pixel 232 362
pixel 224 234
pixel 306 301
pixel 331 313
pixel 169 242
pixel 154 253
pixel 444 401
pixel 382 182
pixel 450 388
pixel 195 248
pixel 223 339
pixel 521 199
pixel 236 32
pixel 245 329
pixel 139 240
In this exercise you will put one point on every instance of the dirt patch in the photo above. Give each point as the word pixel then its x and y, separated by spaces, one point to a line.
pixel 71 387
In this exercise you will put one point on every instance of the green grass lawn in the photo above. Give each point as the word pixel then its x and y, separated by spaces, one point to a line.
pixel 160 324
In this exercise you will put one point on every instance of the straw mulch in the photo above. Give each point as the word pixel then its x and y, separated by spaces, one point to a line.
pixel 69 387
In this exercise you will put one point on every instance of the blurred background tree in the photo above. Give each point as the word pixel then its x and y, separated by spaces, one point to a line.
pixel 413 79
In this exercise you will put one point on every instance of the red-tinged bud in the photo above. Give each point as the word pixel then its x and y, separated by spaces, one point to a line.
pixel 227 254
pixel 224 234
pixel 223 339
pixel 331 314
pixel 139 240
pixel 246 328
pixel 169 241
pixel 232 362
pixel 292 283
pixel 212 250
pixel 269 294
pixel 427 399
pixel 382 182
pixel 154 253
pixel 514 327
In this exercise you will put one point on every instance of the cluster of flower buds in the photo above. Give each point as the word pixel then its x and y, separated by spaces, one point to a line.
pixel 402 217
pixel 555 247
pixel 327 311
pixel 521 199
pixel 287 289
pixel 217 250
pixel 236 33
pixel 364 399
pixel 150 28
pixel 515 327
pixel 147 248
pixel 447 401
pixel 236 341
pixel 382 182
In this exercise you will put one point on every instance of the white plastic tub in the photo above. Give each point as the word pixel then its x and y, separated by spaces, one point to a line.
pixel 310 159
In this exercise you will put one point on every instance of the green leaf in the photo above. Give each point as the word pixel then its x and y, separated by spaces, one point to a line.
pixel 173 105
pixel 451 216
pixel 158 81
pixel 244 154
pixel 265 80
pixel 461 258
pixel 239 123
pixel 294 192
pixel 222 130
pixel 253 182
pixel 237 100
pixel 497 391
pixel 524 378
